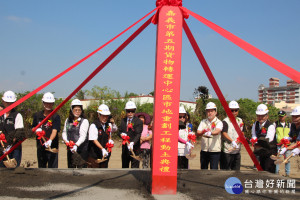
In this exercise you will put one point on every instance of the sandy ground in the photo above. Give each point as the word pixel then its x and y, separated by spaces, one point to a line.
pixel 29 159
pixel 132 184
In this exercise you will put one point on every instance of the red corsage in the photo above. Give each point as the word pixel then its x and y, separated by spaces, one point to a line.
pixel 130 126
pixel 75 123
pixel 263 130
pixel 213 125
pixel 2 138
pixel 49 124
pixel 241 125
pixel 192 137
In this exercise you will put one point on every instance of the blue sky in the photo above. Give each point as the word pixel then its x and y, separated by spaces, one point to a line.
pixel 39 39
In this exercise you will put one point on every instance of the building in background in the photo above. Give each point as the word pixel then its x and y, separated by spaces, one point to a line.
pixel 283 97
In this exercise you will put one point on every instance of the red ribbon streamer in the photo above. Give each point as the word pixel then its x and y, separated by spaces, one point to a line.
pixel 97 70
pixel 284 142
pixel 192 137
pixel 2 138
pixel 218 92
pixel 40 134
pixel 70 144
pixel 109 146
pixel 70 68
pixel 125 139
pixel 269 60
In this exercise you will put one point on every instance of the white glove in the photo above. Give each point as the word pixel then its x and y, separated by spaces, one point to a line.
pixel 74 149
pixel 130 146
pixel 234 144
pixel 282 151
pixel 104 153
pixel 296 151
pixel 7 148
pixel 123 134
pixel 110 141
pixel 189 145
pixel 48 143
pixel 39 130
pixel 289 138
pixel 208 133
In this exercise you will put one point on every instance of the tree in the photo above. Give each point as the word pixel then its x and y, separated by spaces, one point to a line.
pixel 80 94
pixel 102 93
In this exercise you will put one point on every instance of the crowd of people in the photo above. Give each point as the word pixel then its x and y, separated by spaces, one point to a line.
pixel 90 144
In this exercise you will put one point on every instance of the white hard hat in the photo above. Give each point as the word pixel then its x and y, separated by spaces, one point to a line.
pixel 262 109
pixel 103 109
pixel 9 96
pixel 48 98
pixel 234 105
pixel 296 111
pixel 130 105
pixel 76 102
pixel 211 105
pixel 182 110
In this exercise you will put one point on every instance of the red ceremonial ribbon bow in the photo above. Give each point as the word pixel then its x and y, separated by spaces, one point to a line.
pixel 253 141
pixel 109 146
pixel 192 137
pixel 2 138
pixel 70 144
pixel 284 142
pixel 125 139
pixel 40 134
pixel 160 3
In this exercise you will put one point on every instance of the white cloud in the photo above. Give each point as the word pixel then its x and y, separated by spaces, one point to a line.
pixel 18 19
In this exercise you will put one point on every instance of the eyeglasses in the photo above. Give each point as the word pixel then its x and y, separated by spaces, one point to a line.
pixel 181 117
pixel 76 110
pixel 235 110
pixel 130 111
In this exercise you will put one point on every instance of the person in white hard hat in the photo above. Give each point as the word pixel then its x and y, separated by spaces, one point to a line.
pixel 100 138
pixel 231 147
pixel 294 135
pixel 184 146
pixel 210 130
pixel 130 126
pixel 75 134
pixel 9 122
pixel 51 128
pixel 263 129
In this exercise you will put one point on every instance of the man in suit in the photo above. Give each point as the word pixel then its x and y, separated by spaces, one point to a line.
pixel 130 126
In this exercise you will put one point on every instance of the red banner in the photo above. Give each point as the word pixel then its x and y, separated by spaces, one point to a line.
pixel 167 96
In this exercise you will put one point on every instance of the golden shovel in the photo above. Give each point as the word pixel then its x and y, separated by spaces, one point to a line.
pixel 134 156
pixel 190 156
pixel 273 157
pixel 54 150
pixel 100 160
pixel 285 161
pixel 9 163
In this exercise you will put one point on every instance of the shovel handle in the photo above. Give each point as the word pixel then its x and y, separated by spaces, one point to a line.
pixel 3 147
pixel 287 159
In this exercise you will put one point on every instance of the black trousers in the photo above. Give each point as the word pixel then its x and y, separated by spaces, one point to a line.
pixel 211 158
pixel 230 161
pixel 182 163
pixel 46 158
pixel 127 159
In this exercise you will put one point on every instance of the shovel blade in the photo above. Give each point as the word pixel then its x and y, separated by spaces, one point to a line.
pixel 100 160
pixel 137 158
pixel 52 150
pixel 273 157
pixel 190 156
pixel 11 163
pixel 277 162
